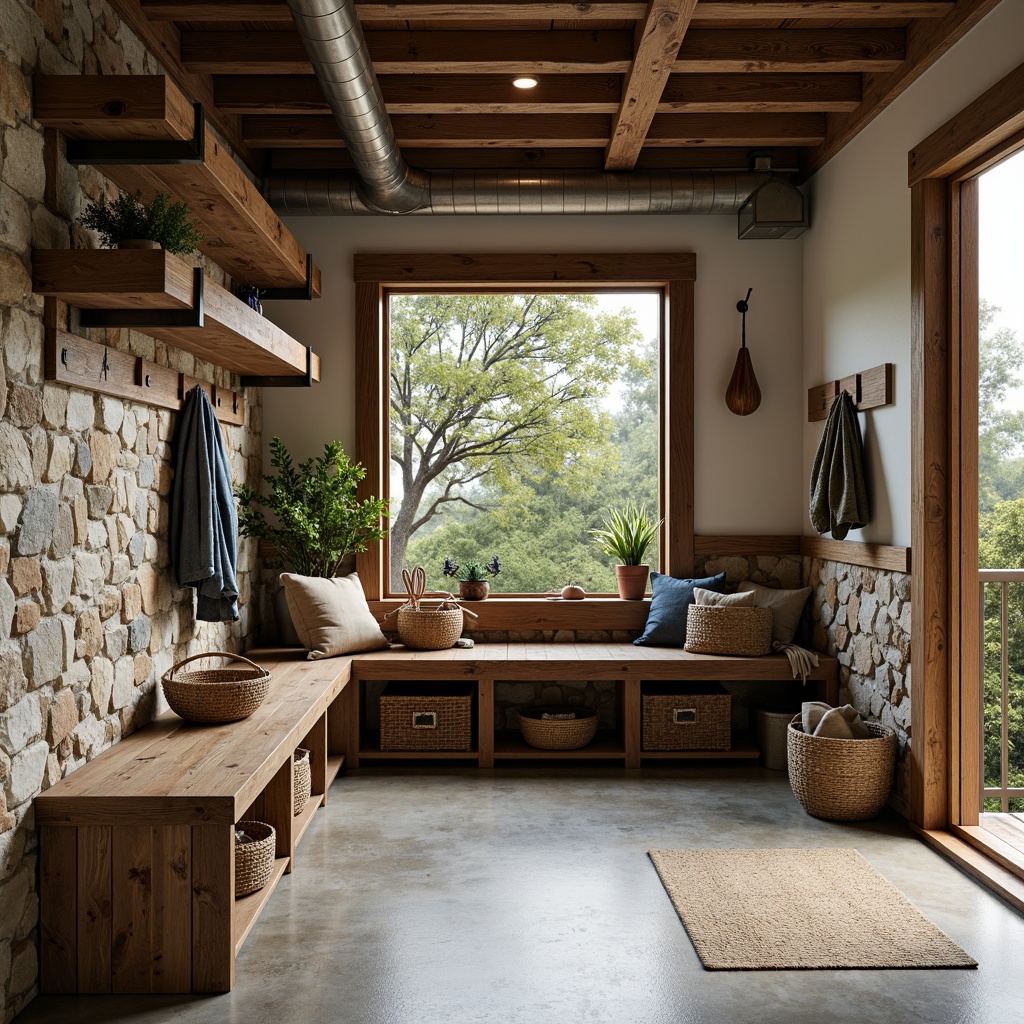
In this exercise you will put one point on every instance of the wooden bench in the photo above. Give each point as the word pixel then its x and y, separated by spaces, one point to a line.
pixel 137 846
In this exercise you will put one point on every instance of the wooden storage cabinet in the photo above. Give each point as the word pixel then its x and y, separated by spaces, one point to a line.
pixel 137 849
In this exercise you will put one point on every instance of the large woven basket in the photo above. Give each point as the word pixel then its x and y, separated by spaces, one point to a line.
pixel 216 694
pixel 302 781
pixel 438 718
pixel 841 780
pixel 254 861
pixel 433 626
pixel 558 733
pixel 711 629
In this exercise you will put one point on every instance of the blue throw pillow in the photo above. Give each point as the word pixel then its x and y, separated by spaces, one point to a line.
pixel 670 604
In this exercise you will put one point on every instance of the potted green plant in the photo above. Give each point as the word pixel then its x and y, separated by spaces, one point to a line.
pixel 627 534
pixel 129 223
pixel 319 520
pixel 473 577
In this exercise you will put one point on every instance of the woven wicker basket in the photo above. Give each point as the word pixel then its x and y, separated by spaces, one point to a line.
pixel 438 718
pixel 715 630
pixel 558 733
pixel 216 694
pixel 303 779
pixel 681 716
pixel 841 780
pixel 254 861
pixel 433 626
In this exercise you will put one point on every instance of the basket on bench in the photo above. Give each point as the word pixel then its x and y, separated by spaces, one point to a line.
pixel 212 695
pixel 431 625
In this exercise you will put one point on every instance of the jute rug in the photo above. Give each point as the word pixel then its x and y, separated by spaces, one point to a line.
pixel 752 910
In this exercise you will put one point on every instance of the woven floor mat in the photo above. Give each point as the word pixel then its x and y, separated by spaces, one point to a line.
pixel 750 910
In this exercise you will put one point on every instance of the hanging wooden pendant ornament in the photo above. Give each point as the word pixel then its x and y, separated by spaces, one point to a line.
pixel 743 395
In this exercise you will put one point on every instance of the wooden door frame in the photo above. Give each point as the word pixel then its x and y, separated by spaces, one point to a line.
pixel 942 173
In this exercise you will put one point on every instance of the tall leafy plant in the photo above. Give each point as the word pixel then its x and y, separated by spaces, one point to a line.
pixel 319 519
pixel 159 221
pixel 628 532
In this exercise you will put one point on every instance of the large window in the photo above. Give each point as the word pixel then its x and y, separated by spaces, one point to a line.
pixel 517 419
pixel 506 402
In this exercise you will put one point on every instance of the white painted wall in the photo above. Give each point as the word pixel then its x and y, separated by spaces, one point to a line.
pixel 857 256
pixel 748 472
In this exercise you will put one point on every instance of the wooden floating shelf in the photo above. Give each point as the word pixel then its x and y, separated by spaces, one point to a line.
pixel 233 334
pixel 869 389
pixel 247 908
pixel 243 234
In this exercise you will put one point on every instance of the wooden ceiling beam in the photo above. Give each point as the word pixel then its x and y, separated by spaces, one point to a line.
pixel 658 38
pixel 300 95
pixel 568 131
pixel 556 10
pixel 927 41
pixel 565 52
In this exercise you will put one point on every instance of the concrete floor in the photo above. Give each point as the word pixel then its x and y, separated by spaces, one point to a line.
pixel 525 896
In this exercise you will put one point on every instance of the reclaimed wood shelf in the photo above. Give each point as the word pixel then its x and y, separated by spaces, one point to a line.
pixel 510 746
pixel 369 750
pixel 741 750
pixel 305 817
pixel 248 908
pixel 243 234
pixel 233 334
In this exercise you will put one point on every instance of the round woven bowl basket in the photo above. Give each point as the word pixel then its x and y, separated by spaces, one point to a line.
pixel 434 626
pixel 254 861
pixel 711 629
pixel 841 780
pixel 216 694
pixel 303 779
pixel 558 734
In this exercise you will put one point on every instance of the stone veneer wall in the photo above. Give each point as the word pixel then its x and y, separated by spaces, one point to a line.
pixel 89 614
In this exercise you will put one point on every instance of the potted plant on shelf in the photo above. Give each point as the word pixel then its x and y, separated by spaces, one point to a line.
pixel 627 534
pixel 473 582
pixel 129 223
pixel 319 520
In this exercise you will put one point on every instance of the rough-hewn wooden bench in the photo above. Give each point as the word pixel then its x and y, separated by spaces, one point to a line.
pixel 137 847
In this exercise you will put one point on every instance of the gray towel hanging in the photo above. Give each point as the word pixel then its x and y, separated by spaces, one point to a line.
pixel 839 497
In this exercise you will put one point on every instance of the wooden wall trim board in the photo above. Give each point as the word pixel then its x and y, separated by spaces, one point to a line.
pixel 871 556
pixel 743 544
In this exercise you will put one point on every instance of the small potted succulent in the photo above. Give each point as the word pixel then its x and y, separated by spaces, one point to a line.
pixel 473 577
pixel 129 223
pixel 627 534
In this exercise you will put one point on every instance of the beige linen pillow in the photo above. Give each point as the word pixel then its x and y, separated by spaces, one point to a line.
pixel 709 597
pixel 331 616
pixel 787 606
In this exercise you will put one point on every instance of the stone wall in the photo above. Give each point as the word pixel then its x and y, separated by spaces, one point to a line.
pixel 89 614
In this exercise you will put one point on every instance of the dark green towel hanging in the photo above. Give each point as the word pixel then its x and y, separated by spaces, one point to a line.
pixel 839 497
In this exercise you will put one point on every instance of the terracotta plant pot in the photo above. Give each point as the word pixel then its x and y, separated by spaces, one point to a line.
pixel 632 580
pixel 474 590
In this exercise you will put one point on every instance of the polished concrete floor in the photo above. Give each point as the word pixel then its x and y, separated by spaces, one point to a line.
pixel 526 897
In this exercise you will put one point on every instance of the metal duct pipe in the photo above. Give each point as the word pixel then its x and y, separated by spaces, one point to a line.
pixel 335 193
pixel 334 41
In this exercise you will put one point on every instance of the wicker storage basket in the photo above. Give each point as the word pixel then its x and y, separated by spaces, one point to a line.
pixel 216 694
pixel 558 733
pixel 433 626
pixel 254 861
pixel 681 716
pixel 302 779
pixel 715 630
pixel 841 780
pixel 426 716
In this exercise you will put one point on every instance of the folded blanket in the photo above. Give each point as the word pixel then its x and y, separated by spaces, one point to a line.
pixel 801 660
pixel 845 723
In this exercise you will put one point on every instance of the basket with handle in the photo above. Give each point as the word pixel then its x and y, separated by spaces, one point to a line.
pixel 213 695
pixel 428 625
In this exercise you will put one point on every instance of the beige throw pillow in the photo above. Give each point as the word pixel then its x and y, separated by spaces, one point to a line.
pixel 787 606
pixel 331 616
pixel 709 597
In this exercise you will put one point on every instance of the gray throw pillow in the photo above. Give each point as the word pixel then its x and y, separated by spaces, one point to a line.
pixel 331 616
pixel 710 598
pixel 787 606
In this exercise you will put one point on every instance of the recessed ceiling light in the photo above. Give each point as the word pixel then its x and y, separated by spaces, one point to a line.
pixel 524 83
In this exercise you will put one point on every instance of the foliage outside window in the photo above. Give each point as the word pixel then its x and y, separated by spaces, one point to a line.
pixel 517 420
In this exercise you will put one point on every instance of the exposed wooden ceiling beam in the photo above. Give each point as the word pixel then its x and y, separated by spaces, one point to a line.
pixel 563 94
pixel 566 52
pixel 658 38
pixel 468 131
pixel 926 43
pixel 556 10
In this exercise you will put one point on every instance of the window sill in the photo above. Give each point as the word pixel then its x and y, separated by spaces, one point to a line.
pixel 539 613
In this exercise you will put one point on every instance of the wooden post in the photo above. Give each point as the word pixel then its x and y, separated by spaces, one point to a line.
pixel 485 722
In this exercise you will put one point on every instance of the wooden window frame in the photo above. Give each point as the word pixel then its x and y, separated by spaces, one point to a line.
pixel 944 351
pixel 671 274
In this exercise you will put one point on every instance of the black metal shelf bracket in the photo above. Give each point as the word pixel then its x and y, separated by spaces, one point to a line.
pixel 150 317
pixel 305 292
pixel 298 381
pixel 144 152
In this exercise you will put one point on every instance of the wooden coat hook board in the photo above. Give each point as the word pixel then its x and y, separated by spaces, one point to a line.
pixel 93 367
pixel 869 389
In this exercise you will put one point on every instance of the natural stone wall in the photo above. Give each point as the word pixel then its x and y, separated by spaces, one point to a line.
pixel 90 616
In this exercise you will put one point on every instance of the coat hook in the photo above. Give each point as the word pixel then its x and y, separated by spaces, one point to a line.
pixel 148 381
pixel 106 365
pixel 234 403
pixel 64 353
